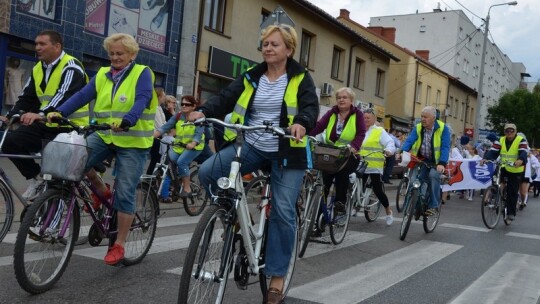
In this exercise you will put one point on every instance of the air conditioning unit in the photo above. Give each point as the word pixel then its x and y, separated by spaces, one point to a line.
pixel 327 89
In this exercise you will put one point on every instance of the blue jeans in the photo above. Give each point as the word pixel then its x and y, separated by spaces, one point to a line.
pixel 285 184
pixel 434 179
pixel 128 168
pixel 183 160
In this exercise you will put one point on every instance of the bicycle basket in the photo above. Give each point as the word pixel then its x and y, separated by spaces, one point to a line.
pixel 64 160
pixel 328 158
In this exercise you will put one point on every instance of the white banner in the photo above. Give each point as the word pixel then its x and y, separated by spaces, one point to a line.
pixel 468 174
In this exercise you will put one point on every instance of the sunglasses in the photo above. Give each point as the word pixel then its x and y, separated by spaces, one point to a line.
pixel 186 104
pixel 509 131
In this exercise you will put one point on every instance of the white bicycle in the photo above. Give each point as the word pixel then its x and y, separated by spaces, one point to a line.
pixel 361 192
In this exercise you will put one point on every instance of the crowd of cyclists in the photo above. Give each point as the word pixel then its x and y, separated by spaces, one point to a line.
pixel 278 90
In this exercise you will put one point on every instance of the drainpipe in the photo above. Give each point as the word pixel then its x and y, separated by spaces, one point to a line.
pixel 350 62
pixel 415 93
pixel 198 49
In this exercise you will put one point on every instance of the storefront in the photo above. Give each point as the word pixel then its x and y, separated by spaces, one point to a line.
pixel 83 32
pixel 398 123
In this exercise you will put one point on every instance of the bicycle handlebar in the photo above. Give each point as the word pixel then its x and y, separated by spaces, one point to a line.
pixel 93 126
pixel 500 162
pixel 239 127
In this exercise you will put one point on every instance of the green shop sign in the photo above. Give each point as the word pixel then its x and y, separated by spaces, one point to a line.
pixel 228 65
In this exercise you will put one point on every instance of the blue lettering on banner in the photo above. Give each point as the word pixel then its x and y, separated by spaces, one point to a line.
pixel 481 173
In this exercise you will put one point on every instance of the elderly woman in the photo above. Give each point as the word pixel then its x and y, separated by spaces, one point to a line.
pixel 191 138
pixel 344 125
pixel 279 90
pixel 125 99
pixel 376 146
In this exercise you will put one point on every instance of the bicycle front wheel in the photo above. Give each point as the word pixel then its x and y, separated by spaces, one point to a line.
pixel 195 204
pixel 340 224
pixel 143 228
pixel 491 207
pixel 7 210
pixel 40 256
pixel 430 222
pixel 310 217
pixel 401 192
pixel 208 259
pixel 372 208
pixel 409 208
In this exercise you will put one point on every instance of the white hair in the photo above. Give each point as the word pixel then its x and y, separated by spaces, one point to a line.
pixel 431 110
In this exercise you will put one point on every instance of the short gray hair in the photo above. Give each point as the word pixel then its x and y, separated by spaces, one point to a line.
pixel 431 110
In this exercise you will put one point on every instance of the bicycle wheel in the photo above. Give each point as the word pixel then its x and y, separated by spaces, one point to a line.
pixel 307 182
pixel 310 217
pixel 401 192
pixel 7 210
pixel 143 228
pixel 372 208
pixel 491 209
pixel 340 224
pixel 195 204
pixel 430 222
pixel 203 278
pixel 409 208
pixel 504 207
pixel 39 257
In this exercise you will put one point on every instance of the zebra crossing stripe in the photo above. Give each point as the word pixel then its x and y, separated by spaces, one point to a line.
pixel 524 235
pixel 374 276
pixel 513 279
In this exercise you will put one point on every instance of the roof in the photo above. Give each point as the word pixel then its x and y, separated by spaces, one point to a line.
pixel 359 38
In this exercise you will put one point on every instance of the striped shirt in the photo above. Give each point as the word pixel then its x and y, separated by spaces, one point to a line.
pixel 266 107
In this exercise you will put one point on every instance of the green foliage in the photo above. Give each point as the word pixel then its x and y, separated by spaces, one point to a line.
pixel 520 107
pixel 536 89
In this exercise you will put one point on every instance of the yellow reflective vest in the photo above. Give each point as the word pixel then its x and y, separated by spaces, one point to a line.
pixel 511 155
pixel 79 117
pixel 185 134
pixel 436 139
pixel 372 144
pixel 347 134
pixel 111 109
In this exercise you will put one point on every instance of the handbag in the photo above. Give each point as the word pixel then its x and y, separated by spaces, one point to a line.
pixel 328 158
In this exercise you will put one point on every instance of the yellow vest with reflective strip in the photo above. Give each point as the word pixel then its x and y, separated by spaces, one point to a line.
pixel 79 117
pixel 111 109
pixel 184 134
pixel 372 144
pixel 291 101
pixel 437 136
pixel 347 134
pixel 511 155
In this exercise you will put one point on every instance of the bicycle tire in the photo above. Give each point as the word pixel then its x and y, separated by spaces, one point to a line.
pixel 195 204
pixel 7 210
pixel 401 192
pixel 207 248
pixel 37 246
pixel 373 207
pixel 143 229
pixel 307 182
pixel 340 224
pixel 310 217
pixel 430 222
pixel 491 207
pixel 409 208
pixel 504 207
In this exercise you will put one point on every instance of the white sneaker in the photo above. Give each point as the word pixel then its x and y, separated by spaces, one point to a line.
pixel 353 212
pixel 36 184
pixel 389 219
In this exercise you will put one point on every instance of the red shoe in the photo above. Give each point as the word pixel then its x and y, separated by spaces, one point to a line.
pixel 115 255
pixel 96 201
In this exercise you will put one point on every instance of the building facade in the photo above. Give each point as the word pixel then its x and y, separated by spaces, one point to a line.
pixel 84 24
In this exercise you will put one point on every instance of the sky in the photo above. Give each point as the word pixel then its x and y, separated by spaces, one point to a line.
pixel 514 28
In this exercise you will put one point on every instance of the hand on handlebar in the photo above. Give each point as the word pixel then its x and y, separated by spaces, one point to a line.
pixel 29 118
pixel 195 115
pixel 298 131
pixel 518 163
pixel 440 169
pixel 51 115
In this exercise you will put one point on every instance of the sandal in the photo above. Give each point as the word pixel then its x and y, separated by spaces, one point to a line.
pixel 274 296
pixel 166 200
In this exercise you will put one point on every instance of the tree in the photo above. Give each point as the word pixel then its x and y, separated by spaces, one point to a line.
pixel 520 107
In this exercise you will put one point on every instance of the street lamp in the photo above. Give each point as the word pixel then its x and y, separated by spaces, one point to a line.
pixel 482 63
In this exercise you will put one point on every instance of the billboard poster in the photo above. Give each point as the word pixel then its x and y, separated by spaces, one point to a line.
pixel 44 8
pixel 95 16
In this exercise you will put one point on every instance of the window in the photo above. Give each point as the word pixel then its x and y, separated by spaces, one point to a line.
pixel 463 110
pixel 305 49
pixel 451 106
pixel 214 15
pixel 359 72
pixel 337 58
pixel 471 115
pixel 428 95
pixel 456 108
pixel 461 35
pixel 379 85
pixel 438 98
pixel 475 71
pixel 418 92
pixel 422 28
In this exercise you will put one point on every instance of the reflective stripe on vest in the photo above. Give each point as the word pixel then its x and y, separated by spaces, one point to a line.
pixel 372 144
pixel 185 134
pixel 436 139
pixel 291 100
pixel 347 134
pixel 81 116
pixel 511 155
pixel 111 109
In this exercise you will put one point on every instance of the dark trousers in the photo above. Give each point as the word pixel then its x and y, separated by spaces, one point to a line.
pixel 377 186
pixel 388 166
pixel 27 140
pixel 512 190
pixel 154 156
pixel 341 180
pixel 536 190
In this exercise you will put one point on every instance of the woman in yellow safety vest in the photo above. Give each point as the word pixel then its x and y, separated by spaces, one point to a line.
pixel 343 125
pixel 125 99
pixel 191 138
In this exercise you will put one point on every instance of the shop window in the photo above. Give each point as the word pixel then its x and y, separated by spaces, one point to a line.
pixel 47 9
